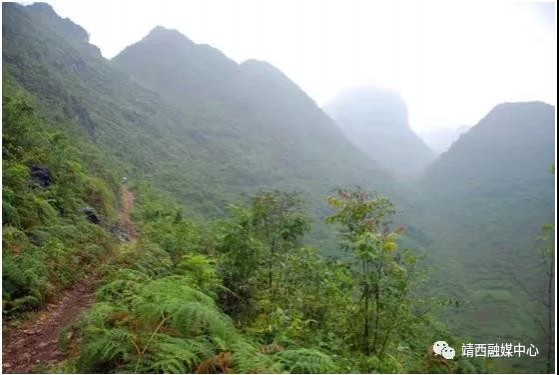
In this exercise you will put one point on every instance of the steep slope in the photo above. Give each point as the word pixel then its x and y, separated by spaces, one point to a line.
pixel 376 120
pixel 486 200
pixel 170 63
pixel 52 59
pixel 512 144
pixel 278 125
pixel 221 130
pixel 58 220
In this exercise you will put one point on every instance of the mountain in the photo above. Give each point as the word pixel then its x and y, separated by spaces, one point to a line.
pixel 240 294
pixel 183 116
pixel 169 62
pixel 485 201
pixel 207 131
pixel 512 145
pixel 440 140
pixel 279 126
pixel 376 120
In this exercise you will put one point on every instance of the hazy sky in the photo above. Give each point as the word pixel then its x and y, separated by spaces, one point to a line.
pixel 451 61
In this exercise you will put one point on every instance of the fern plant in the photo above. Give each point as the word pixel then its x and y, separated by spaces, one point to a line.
pixel 158 325
pixel 305 361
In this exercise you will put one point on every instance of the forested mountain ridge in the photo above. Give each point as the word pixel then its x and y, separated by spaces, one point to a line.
pixel 204 151
pixel 278 124
pixel 249 290
pixel 484 204
pixel 498 172
pixel 376 120
pixel 242 294
pixel 485 152
pixel 169 62
pixel 183 71
pixel 43 54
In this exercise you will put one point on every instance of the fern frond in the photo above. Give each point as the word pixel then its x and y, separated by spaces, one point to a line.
pixel 305 361
pixel 247 359
pixel 166 296
pixel 172 354
pixel 126 283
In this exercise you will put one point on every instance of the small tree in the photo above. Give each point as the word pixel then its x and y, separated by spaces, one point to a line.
pixel 253 244
pixel 279 222
pixel 382 273
pixel 240 259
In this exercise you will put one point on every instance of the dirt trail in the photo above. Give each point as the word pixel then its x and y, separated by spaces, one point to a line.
pixel 35 343
pixel 127 207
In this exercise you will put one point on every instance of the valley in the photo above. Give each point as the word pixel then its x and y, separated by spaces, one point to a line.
pixel 256 231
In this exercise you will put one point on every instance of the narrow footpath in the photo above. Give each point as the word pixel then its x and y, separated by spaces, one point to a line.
pixel 34 344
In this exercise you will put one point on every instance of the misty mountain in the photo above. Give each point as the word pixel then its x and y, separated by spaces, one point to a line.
pixel 169 62
pixel 376 120
pixel 485 202
pixel 440 140
pixel 190 120
pixel 281 121
pixel 513 144
pixel 208 132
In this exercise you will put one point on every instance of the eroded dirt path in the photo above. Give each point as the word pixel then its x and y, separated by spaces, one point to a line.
pixel 36 343
pixel 127 207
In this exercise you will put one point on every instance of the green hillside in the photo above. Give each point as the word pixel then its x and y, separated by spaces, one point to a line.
pixel 267 238
pixel 238 295
pixel 57 207
pixel 203 152
pixel 274 132
pixel 485 202
pixel 245 293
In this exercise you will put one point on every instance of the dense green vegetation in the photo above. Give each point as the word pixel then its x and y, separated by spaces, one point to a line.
pixel 484 205
pixel 253 257
pixel 204 151
pixel 240 294
pixel 247 296
pixel 47 241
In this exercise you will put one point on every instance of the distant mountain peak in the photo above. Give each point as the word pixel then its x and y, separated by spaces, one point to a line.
pixel 372 102
pixel 161 29
pixel 66 26
pixel 161 34
pixel 43 8
pixel 518 106
pixel 376 120
pixel 516 139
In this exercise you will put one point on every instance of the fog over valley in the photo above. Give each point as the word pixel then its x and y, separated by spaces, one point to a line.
pixel 278 187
